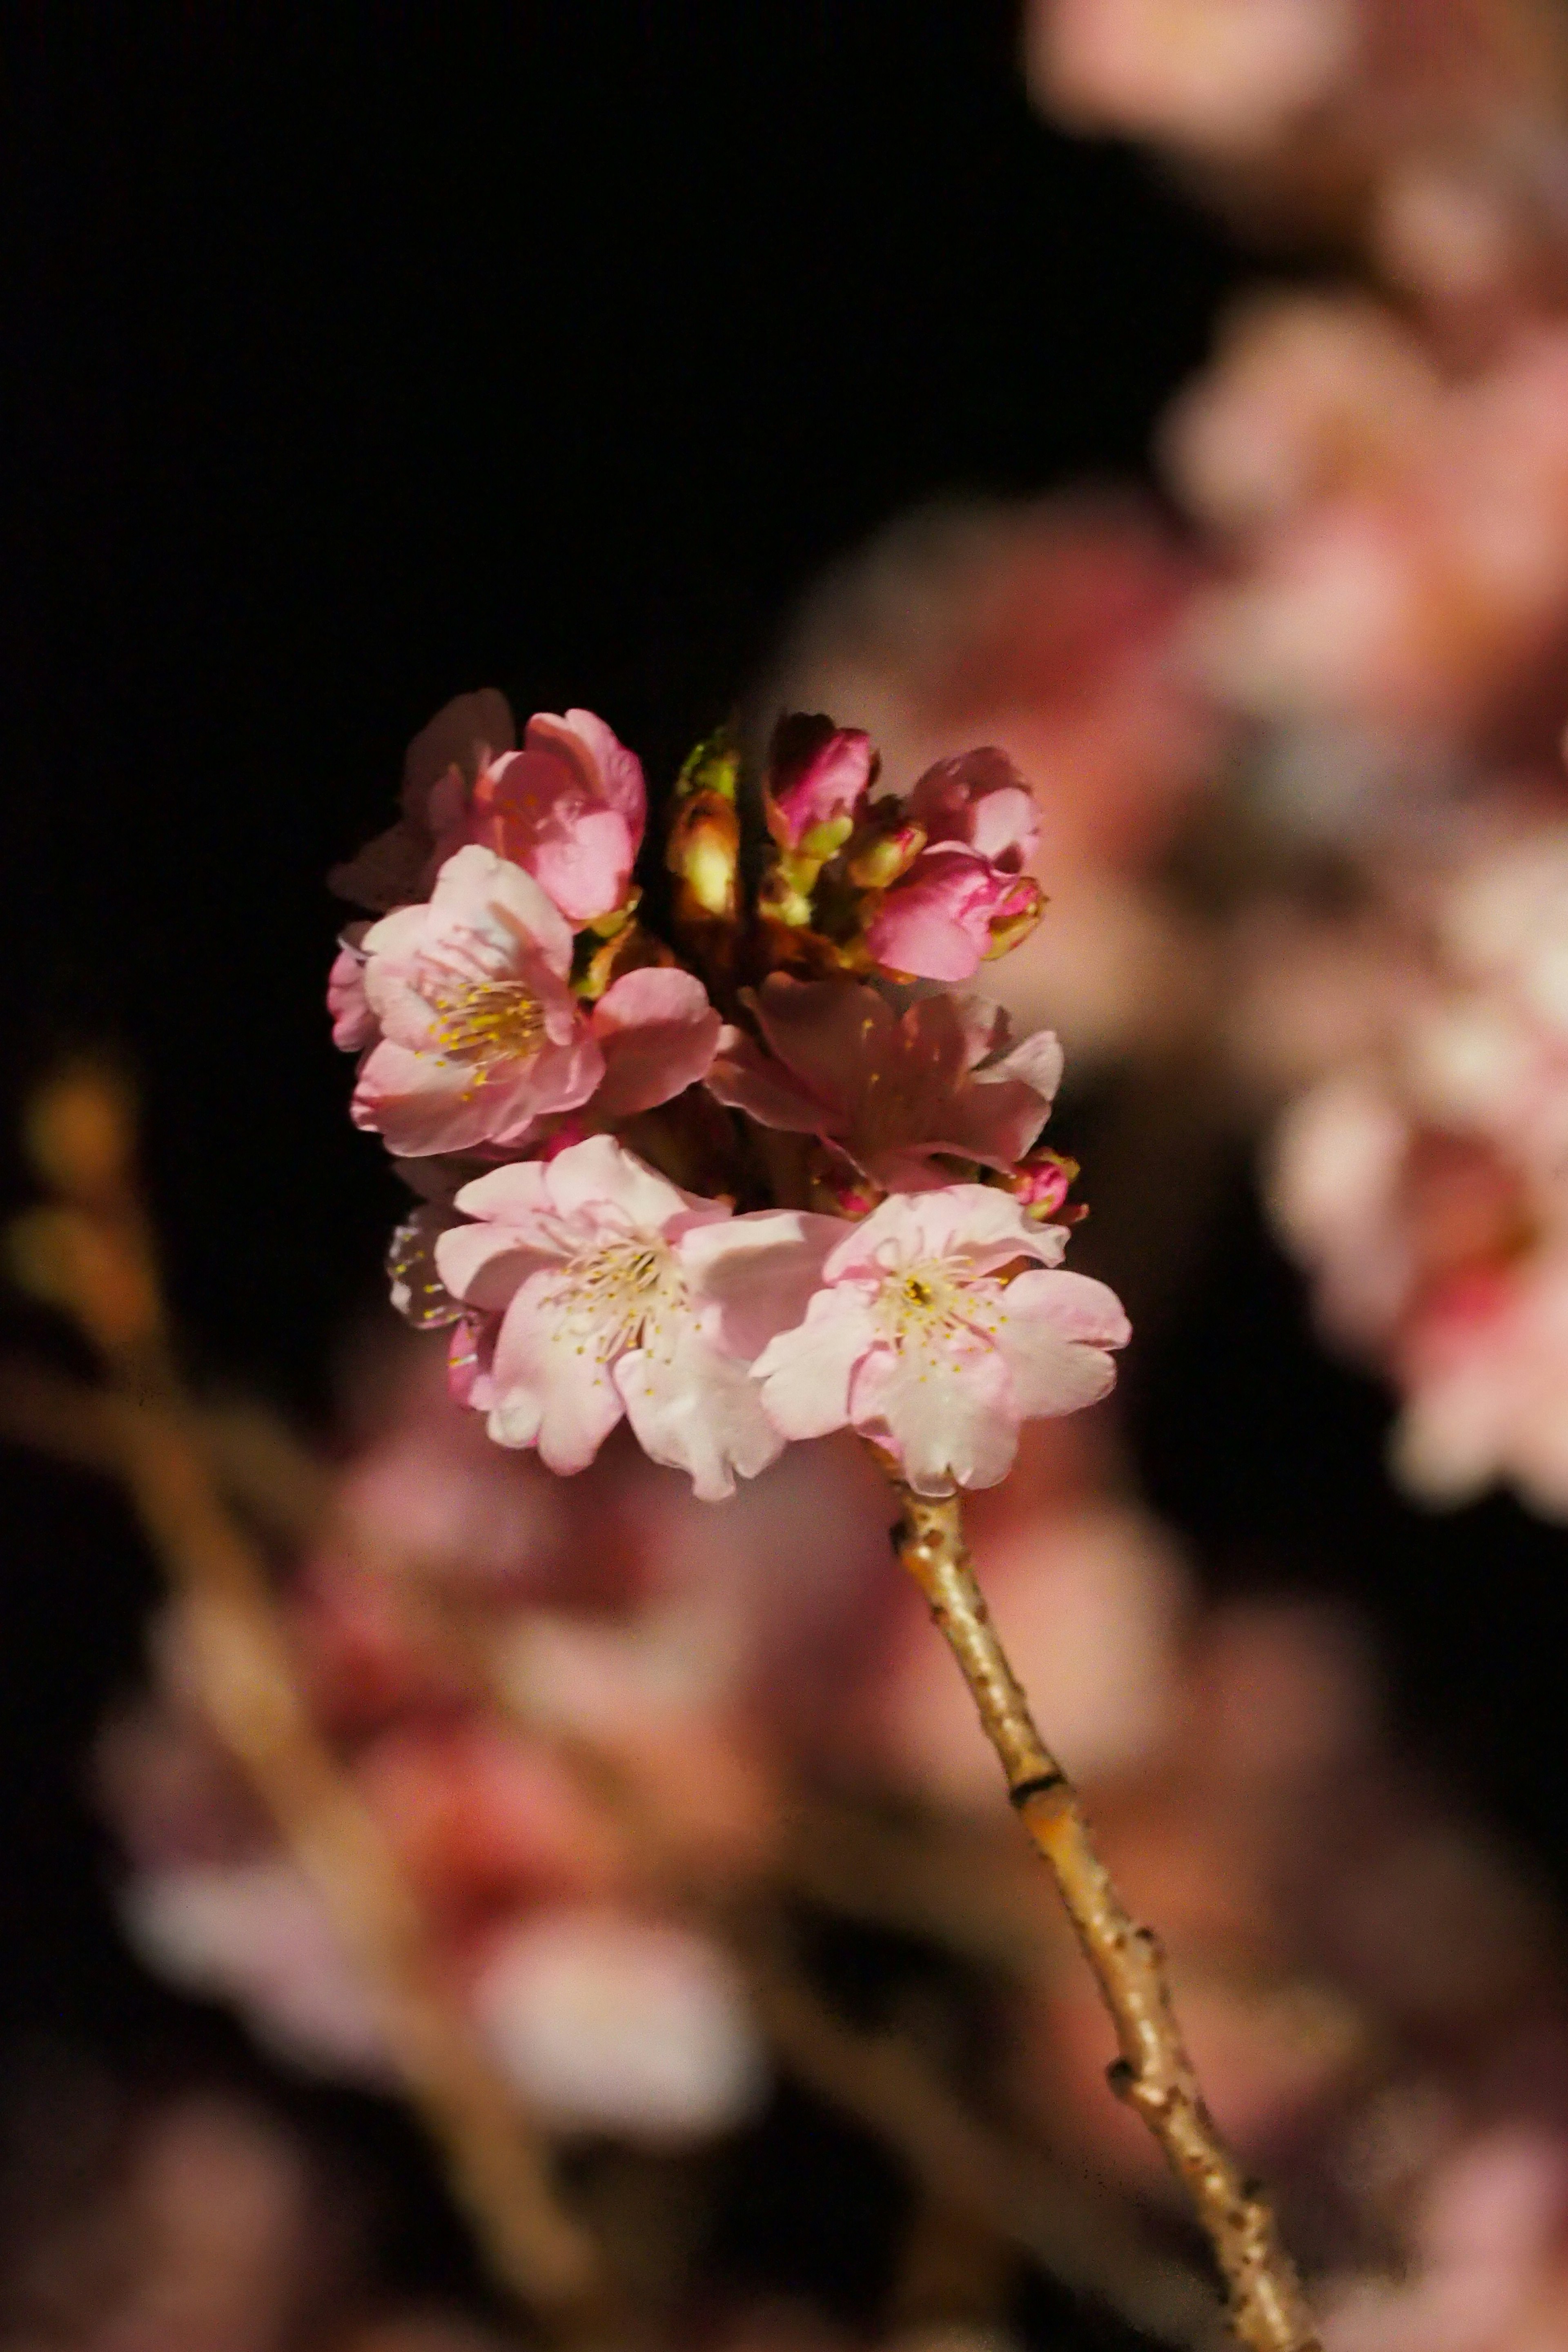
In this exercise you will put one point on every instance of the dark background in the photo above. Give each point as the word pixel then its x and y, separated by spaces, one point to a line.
pixel 364 356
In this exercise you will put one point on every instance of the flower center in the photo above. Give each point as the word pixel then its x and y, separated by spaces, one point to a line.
pixel 927 1306
pixel 623 1296
pixel 486 1021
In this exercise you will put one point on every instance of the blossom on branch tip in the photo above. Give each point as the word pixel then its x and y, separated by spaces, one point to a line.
pixel 889 1089
pixel 619 1293
pixel 922 1340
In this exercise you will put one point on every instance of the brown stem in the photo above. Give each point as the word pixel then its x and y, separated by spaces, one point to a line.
pixel 93 1257
pixel 1154 2074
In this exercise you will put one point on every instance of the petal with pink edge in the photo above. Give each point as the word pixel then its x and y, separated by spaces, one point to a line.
pixel 805 1374
pixel 657 1033
pixel 696 1408
pixel 759 1272
pixel 1053 1333
pixel 949 1414
pixel 552 1387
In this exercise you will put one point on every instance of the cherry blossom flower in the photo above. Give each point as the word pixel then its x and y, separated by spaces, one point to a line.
pixel 569 807
pixel 445 763
pixel 917 1340
pixel 890 1090
pixel 480 1036
pixel 621 1294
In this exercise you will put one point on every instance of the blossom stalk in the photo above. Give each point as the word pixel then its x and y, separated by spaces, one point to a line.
pixel 1153 2074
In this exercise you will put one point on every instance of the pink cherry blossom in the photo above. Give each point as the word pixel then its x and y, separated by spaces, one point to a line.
pixel 481 1034
pixel 819 778
pixel 916 1341
pixel 570 808
pixel 981 802
pixel 889 1089
pixel 620 1294
pixel 480 1037
pixel 444 763
pixel 949 911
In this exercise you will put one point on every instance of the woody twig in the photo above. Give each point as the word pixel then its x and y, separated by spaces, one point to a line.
pixel 90 1254
pixel 1154 2074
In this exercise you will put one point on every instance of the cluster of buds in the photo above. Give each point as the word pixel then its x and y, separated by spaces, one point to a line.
pixel 931 886
pixel 730 1159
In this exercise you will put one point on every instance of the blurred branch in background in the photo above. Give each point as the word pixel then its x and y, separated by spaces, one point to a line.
pixel 91 1256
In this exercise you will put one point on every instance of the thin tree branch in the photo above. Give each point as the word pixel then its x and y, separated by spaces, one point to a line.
pixel 1154 2074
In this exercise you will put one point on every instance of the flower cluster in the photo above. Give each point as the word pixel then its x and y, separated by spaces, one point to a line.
pixel 743 1174
pixel 1422 1179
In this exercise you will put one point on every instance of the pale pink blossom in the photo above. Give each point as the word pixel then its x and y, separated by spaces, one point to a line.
pixel 621 1294
pixel 892 1091
pixel 818 779
pixel 1422 593
pixel 608 2022
pixel 444 763
pixel 1308 393
pixel 1216 76
pixel 480 1037
pixel 917 1340
pixel 570 808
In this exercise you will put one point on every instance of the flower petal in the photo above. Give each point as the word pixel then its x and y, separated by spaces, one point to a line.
pixel 1053 1332
pixel 552 1387
pixel 948 1414
pixel 758 1271
pixel 698 1410
pixel 601 1174
pixel 657 1033
pixel 805 1374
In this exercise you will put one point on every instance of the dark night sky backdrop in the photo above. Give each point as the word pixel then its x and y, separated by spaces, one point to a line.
pixel 368 354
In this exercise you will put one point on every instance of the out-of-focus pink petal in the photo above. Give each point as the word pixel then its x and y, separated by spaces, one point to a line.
pixel 657 1033
pixel 980 801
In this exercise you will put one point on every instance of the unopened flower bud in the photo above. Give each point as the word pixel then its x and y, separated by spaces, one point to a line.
pixel 1041 1182
pixel 1016 917
pixel 818 776
pixel 885 856
pixel 704 850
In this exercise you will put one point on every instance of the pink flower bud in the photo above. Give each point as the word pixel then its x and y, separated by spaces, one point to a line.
pixel 949 913
pixel 818 776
